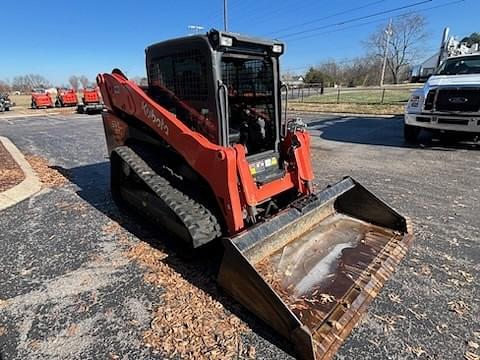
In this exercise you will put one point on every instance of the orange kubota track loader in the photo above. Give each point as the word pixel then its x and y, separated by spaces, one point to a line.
pixel 41 98
pixel 66 97
pixel 204 151
pixel 91 101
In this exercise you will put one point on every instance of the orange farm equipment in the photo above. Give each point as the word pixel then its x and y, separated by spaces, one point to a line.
pixel 41 99
pixel 66 97
pixel 206 152
pixel 91 101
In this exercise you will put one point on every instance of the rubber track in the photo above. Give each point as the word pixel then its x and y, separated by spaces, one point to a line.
pixel 202 225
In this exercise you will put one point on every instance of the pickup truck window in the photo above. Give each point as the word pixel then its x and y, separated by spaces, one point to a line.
pixel 460 65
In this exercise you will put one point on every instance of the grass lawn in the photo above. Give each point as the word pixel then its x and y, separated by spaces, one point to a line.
pixel 351 101
pixel 353 108
pixel 361 96
pixel 23 101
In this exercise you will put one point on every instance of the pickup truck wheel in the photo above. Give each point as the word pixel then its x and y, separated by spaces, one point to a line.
pixel 34 105
pixel 410 133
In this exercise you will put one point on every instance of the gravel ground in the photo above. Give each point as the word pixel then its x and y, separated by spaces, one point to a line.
pixel 69 291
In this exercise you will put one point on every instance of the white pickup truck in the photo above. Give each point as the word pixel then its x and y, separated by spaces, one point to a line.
pixel 449 101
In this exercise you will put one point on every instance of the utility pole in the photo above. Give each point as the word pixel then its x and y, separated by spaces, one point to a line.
pixel 225 15
pixel 388 33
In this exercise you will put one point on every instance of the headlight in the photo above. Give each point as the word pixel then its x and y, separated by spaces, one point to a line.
pixel 226 41
pixel 277 48
pixel 414 101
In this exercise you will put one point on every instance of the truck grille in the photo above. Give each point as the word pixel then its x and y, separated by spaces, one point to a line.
pixel 453 121
pixel 465 100
pixel 429 100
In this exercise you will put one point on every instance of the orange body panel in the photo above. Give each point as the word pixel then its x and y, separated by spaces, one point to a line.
pixel 42 99
pixel 225 169
pixel 91 96
pixel 68 97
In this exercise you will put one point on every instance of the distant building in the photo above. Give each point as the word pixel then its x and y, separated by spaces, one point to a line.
pixel 448 47
pixel 295 81
pixel 425 69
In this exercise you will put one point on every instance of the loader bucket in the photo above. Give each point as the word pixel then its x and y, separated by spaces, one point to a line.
pixel 310 271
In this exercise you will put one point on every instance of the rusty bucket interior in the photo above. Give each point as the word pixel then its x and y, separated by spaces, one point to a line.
pixel 310 272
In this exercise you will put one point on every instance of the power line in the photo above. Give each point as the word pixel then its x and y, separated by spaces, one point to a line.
pixel 378 20
pixel 326 17
pixel 371 22
pixel 357 18
pixel 333 61
pixel 267 15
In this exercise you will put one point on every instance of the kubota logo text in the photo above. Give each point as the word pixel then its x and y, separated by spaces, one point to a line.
pixel 157 120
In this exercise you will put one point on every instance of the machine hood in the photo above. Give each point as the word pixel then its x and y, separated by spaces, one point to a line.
pixel 455 80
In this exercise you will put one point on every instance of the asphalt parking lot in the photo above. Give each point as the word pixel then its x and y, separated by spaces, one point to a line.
pixel 68 291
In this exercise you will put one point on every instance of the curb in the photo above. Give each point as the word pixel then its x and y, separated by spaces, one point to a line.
pixel 29 186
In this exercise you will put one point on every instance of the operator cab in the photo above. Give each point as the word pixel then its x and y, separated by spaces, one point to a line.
pixel 39 91
pixel 223 85
pixel 249 85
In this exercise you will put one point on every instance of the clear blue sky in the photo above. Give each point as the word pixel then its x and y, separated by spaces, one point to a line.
pixel 58 39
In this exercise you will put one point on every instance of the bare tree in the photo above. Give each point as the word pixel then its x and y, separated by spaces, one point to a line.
pixel 362 71
pixel 333 71
pixel 4 87
pixel 18 84
pixel 73 81
pixel 26 83
pixel 405 45
pixel 36 80
pixel 84 81
pixel 288 76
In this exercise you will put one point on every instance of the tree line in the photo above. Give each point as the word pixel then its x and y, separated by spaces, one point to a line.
pixel 399 44
pixel 25 83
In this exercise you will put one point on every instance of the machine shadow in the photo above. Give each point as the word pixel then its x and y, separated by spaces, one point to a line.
pixel 201 270
pixel 381 132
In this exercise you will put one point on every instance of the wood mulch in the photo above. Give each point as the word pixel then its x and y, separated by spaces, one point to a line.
pixel 190 323
pixel 49 176
pixel 10 173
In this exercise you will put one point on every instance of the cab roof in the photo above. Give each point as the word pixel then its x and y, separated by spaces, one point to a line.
pixel 212 40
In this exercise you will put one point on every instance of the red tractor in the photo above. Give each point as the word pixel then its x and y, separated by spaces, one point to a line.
pixel 66 97
pixel 41 99
pixel 91 101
